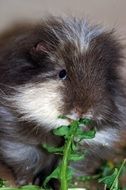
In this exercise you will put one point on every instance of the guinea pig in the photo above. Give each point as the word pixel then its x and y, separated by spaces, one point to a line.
pixel 60 66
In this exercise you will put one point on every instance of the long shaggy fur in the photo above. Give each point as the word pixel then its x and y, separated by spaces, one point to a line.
pixel 33 95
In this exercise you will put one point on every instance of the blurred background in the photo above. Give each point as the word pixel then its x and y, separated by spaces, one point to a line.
pixel 111 13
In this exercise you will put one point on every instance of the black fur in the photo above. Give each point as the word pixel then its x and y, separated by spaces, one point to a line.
pixel 35 54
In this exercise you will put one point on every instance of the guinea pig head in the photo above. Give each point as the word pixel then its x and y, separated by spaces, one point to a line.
pixel 76 73
pixel 91 77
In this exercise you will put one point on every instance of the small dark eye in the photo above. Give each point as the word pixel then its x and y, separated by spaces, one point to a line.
pixel 62 74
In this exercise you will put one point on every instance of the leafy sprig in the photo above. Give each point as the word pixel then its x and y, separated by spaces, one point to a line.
pixel 26 187
pixel 73 134
pixel 112 181
pixel 69 151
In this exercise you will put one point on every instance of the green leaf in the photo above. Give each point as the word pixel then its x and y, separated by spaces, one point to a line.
pixel 76 157
pixel 74 124
pixel 62 131
pixel 2 182
pixel 81 134
pixel 52 149
pixel 73 147
pixel 30 187
pixel 108 180
pixel 62 117
pixel 26 187
pixel 69 173
pixel 8 188
pixel 55 174
pixel 112 181
pixel 86 121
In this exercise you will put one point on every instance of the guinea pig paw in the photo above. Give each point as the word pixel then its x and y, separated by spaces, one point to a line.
pixel 39 179
pixel 21 181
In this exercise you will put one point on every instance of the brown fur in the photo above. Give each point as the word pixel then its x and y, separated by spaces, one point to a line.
pixel 35 54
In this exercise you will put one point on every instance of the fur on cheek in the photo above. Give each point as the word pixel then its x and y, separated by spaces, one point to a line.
pixel 40 103
pixel 106 137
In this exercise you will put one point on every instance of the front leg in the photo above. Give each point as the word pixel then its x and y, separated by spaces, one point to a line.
pixel 25 160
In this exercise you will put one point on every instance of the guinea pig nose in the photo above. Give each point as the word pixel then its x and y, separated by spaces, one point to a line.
pixel 79 112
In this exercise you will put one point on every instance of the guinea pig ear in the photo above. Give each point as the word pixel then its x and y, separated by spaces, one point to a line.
pixel 41 48
pixel 39 51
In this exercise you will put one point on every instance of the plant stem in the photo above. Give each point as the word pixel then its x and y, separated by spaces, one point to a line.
pixel 67 151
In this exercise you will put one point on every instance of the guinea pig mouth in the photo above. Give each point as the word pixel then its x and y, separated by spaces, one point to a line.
pixel 74 115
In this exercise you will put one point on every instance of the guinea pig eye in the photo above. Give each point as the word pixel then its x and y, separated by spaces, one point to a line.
pixel 62 74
